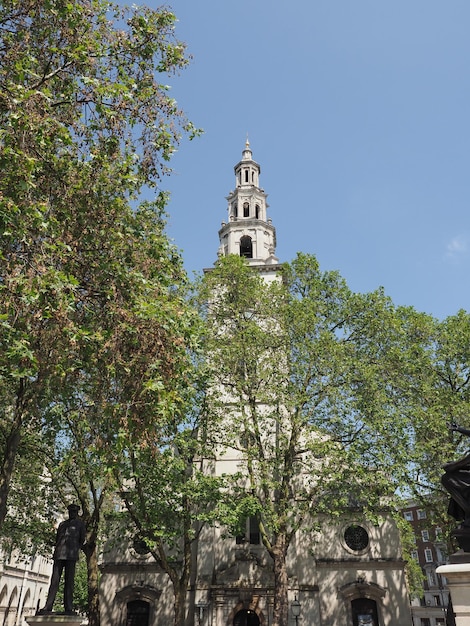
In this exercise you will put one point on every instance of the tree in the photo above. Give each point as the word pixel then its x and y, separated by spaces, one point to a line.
pixel 85 124
pixel 170 499
pixel 126 378
pixel 441 397
pixel 92 323
pixel 309 381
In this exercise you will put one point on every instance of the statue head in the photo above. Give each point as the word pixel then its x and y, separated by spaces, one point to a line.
pixel 73 510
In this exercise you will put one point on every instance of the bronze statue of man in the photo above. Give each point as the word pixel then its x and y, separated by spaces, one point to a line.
pixel 457 482
pixel 69 540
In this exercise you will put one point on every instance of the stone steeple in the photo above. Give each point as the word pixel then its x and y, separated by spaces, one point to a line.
pixel 248 232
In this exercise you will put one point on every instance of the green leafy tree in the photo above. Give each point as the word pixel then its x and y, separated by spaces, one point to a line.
pixel 441 398
pixel 310 384
pixel 171 497
pixel 85 124
pixel 155 452
pixel 92 325
pixel 126 382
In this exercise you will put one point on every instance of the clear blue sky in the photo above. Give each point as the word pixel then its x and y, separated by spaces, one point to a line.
pixel 358 112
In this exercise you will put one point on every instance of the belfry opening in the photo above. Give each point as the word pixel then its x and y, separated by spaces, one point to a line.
pixel 246 247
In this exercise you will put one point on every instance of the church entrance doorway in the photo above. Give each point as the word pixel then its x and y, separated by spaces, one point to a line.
pixel 138 613
pixel 246 618
pixel 364 612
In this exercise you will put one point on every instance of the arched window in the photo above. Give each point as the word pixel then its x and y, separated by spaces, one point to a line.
pixel 257 209
pixel 246 247
pixel 10 612
pixel 246 209
pixel 137 613
pixel 25 604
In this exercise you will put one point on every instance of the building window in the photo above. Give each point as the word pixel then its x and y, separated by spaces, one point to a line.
pixel 438 532
pixel 425 621
pixel 257 210
pixel 441 555
pixel 140 547
pixel 246 209
pixel 246 247
pixel 414 555
pixel 428 555
pixel 421 514
pixel 425 535
pixel 356 537
pixel 253 528
pixel 246 176
pixel 235 210
pixel 408 515
pixel 437 600
pixel 252 534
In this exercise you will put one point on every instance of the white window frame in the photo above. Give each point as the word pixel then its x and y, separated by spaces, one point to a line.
pixel 428 555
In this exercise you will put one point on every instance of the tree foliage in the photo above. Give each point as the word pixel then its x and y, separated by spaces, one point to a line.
pixel 93 324
pixel 169 496
pixel 312 385
pixel 441 397
pixel 85 123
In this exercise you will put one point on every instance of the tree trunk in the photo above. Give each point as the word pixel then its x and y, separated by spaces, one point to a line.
pixel 281 582
pixel 93 578
pixel 180 605
pixel 181 583
pixel 12 444
pixel 8 464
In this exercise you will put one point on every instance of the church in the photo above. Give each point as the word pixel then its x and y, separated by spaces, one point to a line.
pixel 352 575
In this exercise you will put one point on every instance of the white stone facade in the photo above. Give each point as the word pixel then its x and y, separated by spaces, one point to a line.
pixel 24 582
pixel 230 579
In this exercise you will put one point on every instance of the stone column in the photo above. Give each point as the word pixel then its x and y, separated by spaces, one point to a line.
pixel 457 573
pixel 219 609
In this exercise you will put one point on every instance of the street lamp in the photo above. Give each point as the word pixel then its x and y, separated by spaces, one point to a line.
pixel 295 608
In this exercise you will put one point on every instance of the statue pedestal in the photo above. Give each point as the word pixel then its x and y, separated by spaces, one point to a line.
pixel 54 619
pixel 457 573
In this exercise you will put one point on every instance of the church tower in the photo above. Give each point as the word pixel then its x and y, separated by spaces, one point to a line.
pixel 249 232
pixel 346 571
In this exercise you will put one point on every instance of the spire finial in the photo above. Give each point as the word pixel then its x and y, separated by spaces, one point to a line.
pixel 247 150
